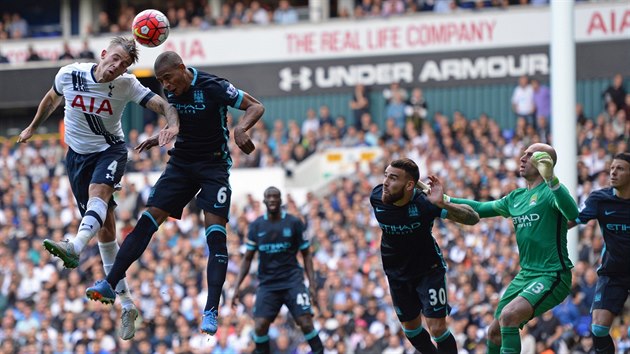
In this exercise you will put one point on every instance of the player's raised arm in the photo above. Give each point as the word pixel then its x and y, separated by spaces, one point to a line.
pixel 460 213
pixel 544 163
pixel 48 104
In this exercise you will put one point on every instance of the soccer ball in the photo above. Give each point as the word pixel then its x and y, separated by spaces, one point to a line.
pixel 150 28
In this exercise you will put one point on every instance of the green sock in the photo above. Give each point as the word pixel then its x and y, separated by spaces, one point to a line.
pixel 510 340
pixel 492 347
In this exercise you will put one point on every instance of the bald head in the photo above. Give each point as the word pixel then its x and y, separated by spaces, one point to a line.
pixel 273 201
pixel 272 190
pixel 167 60
pixel 545 148
pixel 171 72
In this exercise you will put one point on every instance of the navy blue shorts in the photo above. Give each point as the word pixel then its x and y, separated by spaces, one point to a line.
pixel 105 167
pixel 426 294
pixel 269 302
pixel 611 293
pixel 182 180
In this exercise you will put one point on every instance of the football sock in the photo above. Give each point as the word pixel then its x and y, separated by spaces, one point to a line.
pixel 217 263
pixel 90 224
pixel 108 252
pixel 315 342
pixel 420 340
pixel 262 344
pixel 604 345
pixel 132 248
pixel 446 343
pixel 602 341
pixel 492 347
pixel 510 340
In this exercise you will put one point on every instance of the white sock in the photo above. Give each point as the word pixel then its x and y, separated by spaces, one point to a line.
pixel 108 251
pixel 90 224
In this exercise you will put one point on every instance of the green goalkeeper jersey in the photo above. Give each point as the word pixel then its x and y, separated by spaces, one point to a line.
pixel 540 221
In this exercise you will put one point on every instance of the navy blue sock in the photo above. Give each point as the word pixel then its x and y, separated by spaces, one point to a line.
pixel 132 248
pixel 420 340
pixel 262 344
pixel 604 344
pixel 446 343
pixel 314 341
pixel 217 264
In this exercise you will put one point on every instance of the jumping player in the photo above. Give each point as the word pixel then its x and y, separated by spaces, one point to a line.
pixel 199 165
pixel 95 97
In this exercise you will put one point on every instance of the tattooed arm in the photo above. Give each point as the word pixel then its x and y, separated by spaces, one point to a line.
pixel 49 103
pixel 463 214
pixel 160 106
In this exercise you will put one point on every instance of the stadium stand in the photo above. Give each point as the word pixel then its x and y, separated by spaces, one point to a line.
pixel 44 310
pixel 43 305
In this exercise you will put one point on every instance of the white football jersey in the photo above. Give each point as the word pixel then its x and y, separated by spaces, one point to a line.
pixel 93 110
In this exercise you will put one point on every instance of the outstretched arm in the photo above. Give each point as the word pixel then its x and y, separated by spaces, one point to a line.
pixel 462 214
pixel 253 112
pixel 48 104
pixel 484 209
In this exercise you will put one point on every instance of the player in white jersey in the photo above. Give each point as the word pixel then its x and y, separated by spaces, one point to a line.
pixel 93 120
pixel 95 97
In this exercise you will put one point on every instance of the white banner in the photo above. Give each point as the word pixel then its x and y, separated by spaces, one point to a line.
pixel 421 33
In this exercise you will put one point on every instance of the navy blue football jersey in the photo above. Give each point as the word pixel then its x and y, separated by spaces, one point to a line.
pixel 278 243
pixel 203 128
pixel 408 248
pixel 613 215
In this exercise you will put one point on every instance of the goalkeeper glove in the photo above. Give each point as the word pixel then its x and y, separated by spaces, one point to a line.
pixel 544 164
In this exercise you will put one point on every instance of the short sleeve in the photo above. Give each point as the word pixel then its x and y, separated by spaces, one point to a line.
pixel 138 93
pixel 588 210
pixel 434 211
pixel 59 81
pixel 299 230
pixel 227 94
pixel 251 244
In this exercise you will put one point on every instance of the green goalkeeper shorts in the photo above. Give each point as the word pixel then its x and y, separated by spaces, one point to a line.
pixel 543 290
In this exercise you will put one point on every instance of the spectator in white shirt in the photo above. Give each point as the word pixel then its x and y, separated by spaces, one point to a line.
pixel 523 101
pixel 256 14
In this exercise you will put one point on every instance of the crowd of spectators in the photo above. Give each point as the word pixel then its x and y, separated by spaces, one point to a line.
pixel 44 310
pixel 13 25
pixel 199 14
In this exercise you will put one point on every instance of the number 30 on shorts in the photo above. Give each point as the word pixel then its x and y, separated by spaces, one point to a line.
pixel 437 296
